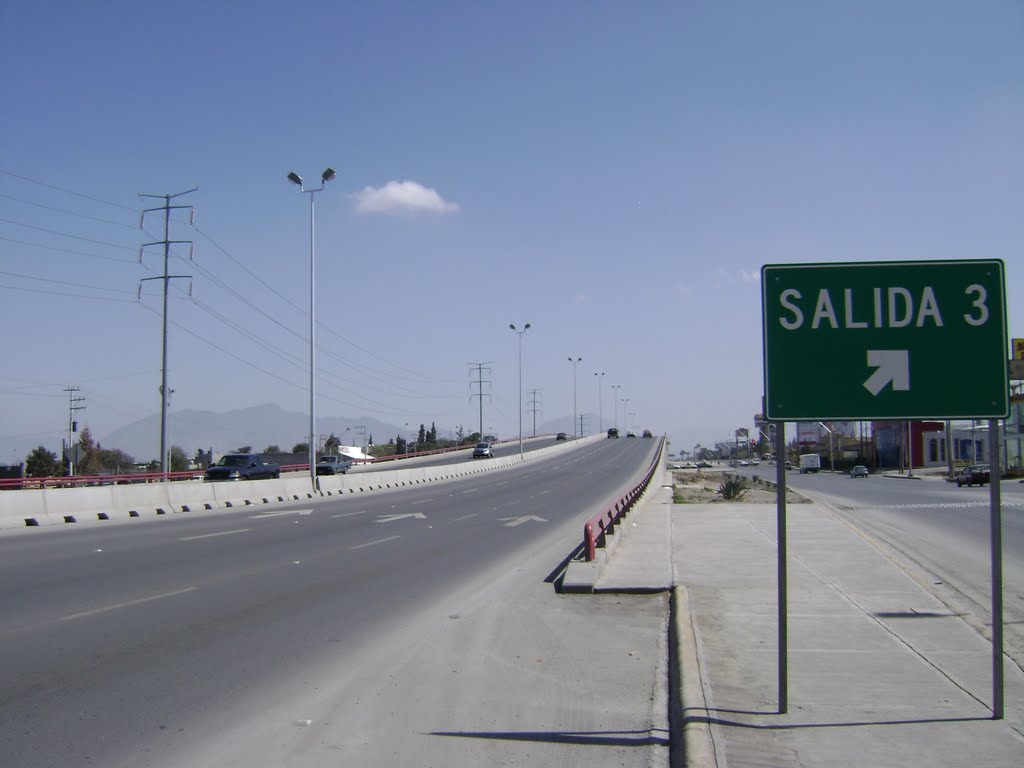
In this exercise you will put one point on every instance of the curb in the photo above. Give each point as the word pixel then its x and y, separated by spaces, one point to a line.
pixel 689 708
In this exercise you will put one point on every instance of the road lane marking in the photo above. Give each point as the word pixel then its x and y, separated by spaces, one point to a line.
pixel 471 490
pixel 211 535
pixel 374 543
pixel 424 501
pixel 285 512
pixel 465 517
pixel 350 514
pixel 126 604
pixel 515 521
pixel 392 518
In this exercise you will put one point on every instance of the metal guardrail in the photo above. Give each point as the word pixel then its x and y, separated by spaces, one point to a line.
pixel 596 528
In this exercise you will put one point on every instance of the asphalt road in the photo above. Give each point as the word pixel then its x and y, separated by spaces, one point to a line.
pixel 137 643
pixel 457 457
pixel 942 535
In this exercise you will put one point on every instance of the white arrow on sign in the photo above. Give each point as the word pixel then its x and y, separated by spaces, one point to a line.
pixel 514 521
pixel 392 518
pixel 893 366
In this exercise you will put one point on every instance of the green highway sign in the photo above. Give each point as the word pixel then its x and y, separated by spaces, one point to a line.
pixel 885 340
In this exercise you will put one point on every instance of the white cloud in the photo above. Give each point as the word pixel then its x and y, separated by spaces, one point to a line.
pixel 753 276
pixel 402 196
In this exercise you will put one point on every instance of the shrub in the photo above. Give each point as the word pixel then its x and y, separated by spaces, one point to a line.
pixel 733 488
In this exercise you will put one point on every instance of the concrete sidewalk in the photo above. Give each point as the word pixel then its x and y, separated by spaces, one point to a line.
pixel 880 672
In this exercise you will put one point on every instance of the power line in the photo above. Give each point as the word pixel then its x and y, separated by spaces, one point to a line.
pixel 65 250
pixel 63 282
pixel 68 191
pixel 65 234
pixel 70 213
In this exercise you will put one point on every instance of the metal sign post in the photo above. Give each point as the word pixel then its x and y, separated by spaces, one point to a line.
pixel 781 553
pixel 886 331
pixel 996 524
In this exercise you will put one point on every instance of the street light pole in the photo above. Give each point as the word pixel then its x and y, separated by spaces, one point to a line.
pixel 294 178
pixel 616 387
pixel 600 409
pixel 575 362
pixel 520 334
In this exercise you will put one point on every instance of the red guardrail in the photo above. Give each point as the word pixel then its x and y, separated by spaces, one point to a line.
pixel 603 523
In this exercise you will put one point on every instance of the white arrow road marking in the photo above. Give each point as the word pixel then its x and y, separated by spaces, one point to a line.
pixel 392 518
pixel 514 521
pixel 893 366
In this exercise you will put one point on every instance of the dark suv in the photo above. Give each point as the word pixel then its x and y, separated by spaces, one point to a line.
pixel 613 432
pixel 975 474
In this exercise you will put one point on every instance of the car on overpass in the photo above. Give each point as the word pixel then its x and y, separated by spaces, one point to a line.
pixel 561 436
pixel 333 465
pixel 483 450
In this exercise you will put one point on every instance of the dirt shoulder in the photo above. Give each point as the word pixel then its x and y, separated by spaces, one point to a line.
pixel 697 487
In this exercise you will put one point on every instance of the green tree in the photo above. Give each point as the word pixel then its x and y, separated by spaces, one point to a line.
pixel 332 443
pixel 86 464
pixel 114 460
pixel 422 438
pixel 179 461
pixel 297 448
pixel 41 463
pixel 272 449
pixel 400 446
pixel 432 434
pixel 245 449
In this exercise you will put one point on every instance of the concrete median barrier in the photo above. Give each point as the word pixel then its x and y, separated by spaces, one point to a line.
pixel 89 504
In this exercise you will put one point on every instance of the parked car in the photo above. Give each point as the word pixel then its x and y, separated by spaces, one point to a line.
pixel 703 464
pixel 561 436
pixel 613 432
pixel 333 465
pixel 859 471
pixel 647 433
pixel 975 474
pixel 483 451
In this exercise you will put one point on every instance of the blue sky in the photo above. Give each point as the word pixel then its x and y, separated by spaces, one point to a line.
pixel 614 173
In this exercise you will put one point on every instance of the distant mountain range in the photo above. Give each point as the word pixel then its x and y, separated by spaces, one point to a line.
pixel 259 426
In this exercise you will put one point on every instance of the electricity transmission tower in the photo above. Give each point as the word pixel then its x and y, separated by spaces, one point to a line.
pixel 534 405
pixel 73 408
pixel 166 243
pixel 479 382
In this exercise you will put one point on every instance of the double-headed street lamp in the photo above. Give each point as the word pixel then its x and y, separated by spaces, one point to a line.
pixel 575 428
pixel 520 334
pixel 294 178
